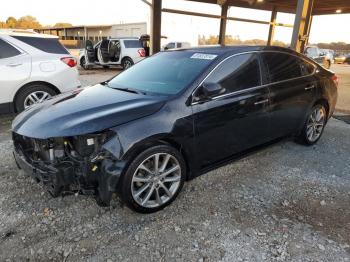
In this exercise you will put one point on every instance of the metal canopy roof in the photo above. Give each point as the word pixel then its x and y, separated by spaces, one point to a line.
pixel 321 7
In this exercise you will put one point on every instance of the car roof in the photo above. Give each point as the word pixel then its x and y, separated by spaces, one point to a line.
pixel 234 49
pixel 24 32
pixel 124 38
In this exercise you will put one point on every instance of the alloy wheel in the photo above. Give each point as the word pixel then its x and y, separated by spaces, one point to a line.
pixel 35 98
pixel 315 124
pixel 156 180
pixel 127 64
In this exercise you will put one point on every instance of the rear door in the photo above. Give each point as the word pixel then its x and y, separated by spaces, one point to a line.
pixel 292 85
pixel 104 51
pixel 114 51
pixel 90 53
pixel 236 120
pixel 15 69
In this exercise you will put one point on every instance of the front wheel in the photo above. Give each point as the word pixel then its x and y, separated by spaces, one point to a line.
pixel 83 63
pixel 153 179
pixel 314 126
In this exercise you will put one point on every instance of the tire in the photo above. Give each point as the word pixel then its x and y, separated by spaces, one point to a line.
pixel 23 100
pixel 127 63
pixel 83 63
pixel 136 179
pixel 314 127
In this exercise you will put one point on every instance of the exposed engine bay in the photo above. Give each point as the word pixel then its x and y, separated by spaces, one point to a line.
pixel 79 164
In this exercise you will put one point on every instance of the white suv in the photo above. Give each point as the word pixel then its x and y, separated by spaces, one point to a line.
pixel 33 67
pixel 114 51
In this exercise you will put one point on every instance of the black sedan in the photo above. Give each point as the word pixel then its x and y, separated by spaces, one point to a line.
pixel 170 118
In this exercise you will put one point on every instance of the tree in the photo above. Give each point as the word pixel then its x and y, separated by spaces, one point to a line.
pixel 62 25
pixel 28 22
pixel 11 22
pixel 3 24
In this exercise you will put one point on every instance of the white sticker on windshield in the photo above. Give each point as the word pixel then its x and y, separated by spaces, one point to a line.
pixel 203 56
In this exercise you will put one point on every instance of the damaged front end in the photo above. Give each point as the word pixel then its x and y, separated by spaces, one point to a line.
pixel 88 164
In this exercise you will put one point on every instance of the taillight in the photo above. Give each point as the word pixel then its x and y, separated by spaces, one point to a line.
pixel 141 52
pixel 69 61
pixel 335 80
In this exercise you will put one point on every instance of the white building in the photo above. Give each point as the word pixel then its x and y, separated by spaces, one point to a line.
pixel 76 35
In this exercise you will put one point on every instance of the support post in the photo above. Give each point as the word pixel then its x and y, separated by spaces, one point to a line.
pixel 85 33
pixel 223 21
pixel 156 25
pixel 302 24
pixel 272 26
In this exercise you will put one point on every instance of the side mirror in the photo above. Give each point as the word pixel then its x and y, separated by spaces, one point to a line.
pixel 207 91
pixel 212 89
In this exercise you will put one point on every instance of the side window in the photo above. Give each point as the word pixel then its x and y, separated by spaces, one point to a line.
pixel 179 45
pixel 237 73
pixel 7 50
pixel 311 52
pixel 132 44
pixel 170 46
pixel 306 68
pixel 48 45
pixel 282 66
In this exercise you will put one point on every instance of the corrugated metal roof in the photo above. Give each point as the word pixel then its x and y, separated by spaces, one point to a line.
pixel 321 7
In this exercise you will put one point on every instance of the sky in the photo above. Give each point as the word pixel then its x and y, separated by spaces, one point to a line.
pixel 330 28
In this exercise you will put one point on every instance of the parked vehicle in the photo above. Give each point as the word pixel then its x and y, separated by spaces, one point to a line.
pixel 109 52
pixel 174 45
pixel 342 58
pixel 347 60
pixel 323 58
pixel 33 68
pixel 171 118
pixel 339 58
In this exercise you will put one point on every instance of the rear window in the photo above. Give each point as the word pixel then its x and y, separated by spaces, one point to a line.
pixel 132 44
pixel 7 50
pixel 49 45
pixel 282 66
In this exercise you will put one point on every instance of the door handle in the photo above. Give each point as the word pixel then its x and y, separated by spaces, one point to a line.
pixel 309 87
pixel 14 64
pixel 261 102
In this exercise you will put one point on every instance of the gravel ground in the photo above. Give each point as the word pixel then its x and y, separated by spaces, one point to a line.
pixel 286 202
pixel 97 75
pixel 343 72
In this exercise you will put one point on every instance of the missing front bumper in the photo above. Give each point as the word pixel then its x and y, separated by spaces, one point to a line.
pixel 63 178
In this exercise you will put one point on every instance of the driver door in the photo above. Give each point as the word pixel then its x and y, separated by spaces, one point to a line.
pixel 90 52
pixel 236 120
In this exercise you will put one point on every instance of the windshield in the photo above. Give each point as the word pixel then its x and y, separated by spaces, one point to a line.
pixel 166 73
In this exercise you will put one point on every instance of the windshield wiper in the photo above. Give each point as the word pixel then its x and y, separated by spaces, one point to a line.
pixel 135 91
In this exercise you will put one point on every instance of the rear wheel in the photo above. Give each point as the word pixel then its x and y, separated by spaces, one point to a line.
pixel 314 126
pixel 33 94
pixel 127 63
pixel 154 179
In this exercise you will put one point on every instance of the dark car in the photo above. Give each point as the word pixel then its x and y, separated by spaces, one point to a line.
pixel 170 118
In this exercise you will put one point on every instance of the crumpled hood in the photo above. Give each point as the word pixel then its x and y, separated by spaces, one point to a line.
pixel 84 111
